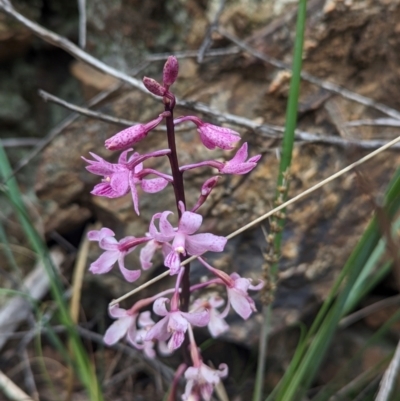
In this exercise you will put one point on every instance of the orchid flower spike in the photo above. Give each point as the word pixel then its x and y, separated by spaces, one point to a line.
pixel 213 136
pixel 114 251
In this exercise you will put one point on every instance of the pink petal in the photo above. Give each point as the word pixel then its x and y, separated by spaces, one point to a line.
pixel 153 185
pixel 257 287
pixel 190 223
pixel 173 261
pixel 200 243
pixel 147 253
pixel 159 331
pixel 98 235
pixel 239 303
pixel 176 340
pixel 129 275
pixel 239 169
pixel 159 307
pixel 242 284
pixel 200 319
pixel 131 332
pixel 145 319
pixel 117 312
pixel 109 244
pixel 120 183
pixel 135 197
pixel 117 330
pixel 123 157
pixel 104 189
pixel 177 322
pixel 165 226
pixel 254 159
pixel 104 263
pixel 240 156
pixel 214 136
pixel 217 325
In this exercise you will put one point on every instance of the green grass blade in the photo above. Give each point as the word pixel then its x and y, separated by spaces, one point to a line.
pixel 301 373
pixel 82 363
pixel 285 162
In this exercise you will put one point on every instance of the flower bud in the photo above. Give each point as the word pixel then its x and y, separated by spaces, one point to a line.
pixel 170 72
pixel 131 135
pixel 153 86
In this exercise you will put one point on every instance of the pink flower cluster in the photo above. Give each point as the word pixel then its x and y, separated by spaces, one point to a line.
pixel 176 243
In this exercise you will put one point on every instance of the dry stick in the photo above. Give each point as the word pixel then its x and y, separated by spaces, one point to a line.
pixel 270 213
pixel 368 310
pixel 11 390
pixel 380 122
pixel 82 23
pixel 389 377
pixel 18 142
pixel 84 111
pixel 314 80
pixel 95 114
pixel 226 51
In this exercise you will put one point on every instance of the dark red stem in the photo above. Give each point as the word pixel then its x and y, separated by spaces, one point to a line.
pixel 179 193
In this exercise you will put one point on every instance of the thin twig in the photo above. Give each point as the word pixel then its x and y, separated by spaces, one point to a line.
pixel 368 310
pixel 388 379
pixel 226 51
pixel 84 111
pixel 329 86
pixel 19 142
pixel 11 390
pixel 82 23
pixel 271 212
pixel 95 114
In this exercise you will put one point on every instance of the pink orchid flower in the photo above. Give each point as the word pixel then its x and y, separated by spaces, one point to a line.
pixel 183 237
pixel 114 251
pixel 217 325
pixel 174 324
pixel 148 251
pixel 237 288
pixel 125 325
pixel 237 165
pixel 122 177
pixel 201 381
pixel 213 136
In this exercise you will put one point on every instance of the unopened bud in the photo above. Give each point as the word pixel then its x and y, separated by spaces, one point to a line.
pixel 153 86
pixel 209 185
pixel 170 72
